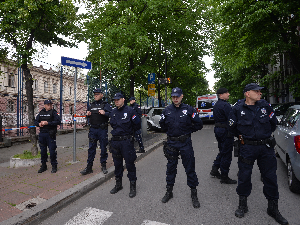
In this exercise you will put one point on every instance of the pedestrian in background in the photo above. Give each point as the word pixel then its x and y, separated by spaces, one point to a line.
pixel 47 120
pixel 137 133
pixel 98 115
pixel 179 120
pixel 225 139
pixel 125 122
pixel 253 121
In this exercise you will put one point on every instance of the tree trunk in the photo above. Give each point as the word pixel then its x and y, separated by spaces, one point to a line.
pixel 131 67
pixel 29 93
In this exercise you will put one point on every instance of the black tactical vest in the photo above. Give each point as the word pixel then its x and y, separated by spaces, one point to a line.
pixel 96 118
pixel 46 115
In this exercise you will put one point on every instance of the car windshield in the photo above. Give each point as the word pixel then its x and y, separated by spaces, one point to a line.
pixel 291 117
pixel 157 111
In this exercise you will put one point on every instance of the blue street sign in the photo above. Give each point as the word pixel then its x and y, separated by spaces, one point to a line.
pixel 151 78
pixel 76 63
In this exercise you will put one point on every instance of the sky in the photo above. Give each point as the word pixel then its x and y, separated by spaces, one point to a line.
pixel 55 53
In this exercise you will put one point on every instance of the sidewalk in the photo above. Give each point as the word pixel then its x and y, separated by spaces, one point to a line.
pixel 26 197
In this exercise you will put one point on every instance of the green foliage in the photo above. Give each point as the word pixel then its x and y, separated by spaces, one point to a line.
pixel 135 38
pixel 27 155
pixel 249 35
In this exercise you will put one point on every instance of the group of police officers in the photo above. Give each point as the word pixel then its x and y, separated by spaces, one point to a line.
pixel 251 120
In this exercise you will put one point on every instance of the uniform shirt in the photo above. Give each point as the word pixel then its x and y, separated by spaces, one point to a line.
pixel 124 121
pixel 51 116
pixel 182 120
pixel 254 122
pixel 137 108
pixel 221 111
pixel 96 118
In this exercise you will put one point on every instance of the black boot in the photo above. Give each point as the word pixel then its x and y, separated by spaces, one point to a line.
pixel 118 186
pixel 226 180
pixel 132 192
pixel 168 195
pixel 215 172
pixel 43 168
pixel 54 169
pixel 196 203
pixel 243 208
pixel 274 212
pixel 103 167
pixel 87 170
pixel 142 150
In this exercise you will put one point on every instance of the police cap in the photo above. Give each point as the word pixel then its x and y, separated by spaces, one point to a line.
pixel 222 91
pixel 47 102
pixel 97 90
pixel 176 92
pixel 118 96
pixel 252 86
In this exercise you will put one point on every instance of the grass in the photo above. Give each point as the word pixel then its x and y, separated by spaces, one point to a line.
pixel 27 155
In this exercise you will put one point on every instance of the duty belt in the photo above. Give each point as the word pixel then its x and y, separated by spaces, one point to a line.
pixel 221 125
pixel 256 142
pixel 102 126
pixel 181 138
pixel 121 138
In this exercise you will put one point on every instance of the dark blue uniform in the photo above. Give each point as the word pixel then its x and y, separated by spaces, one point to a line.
pixel 98 131
pixel 179 123
pixel 137 133
pixel 225 141
pixel 124 122
pixel 47 136
pixel 255 123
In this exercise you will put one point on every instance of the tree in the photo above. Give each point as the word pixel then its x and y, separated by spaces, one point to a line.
pixel 250 35
pixel 25 24
pixel 132 37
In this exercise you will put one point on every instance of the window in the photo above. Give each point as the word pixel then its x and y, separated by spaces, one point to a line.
pixel 54 88
pixel 11 80
pixel 46 87
pixel 70 90
pixel 35 85
pixel 10 106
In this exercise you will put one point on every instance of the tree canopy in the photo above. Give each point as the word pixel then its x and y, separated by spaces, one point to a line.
pixel 136 37
pixel 249 36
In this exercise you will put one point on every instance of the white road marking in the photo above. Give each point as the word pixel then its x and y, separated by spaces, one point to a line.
pixel 149 222
pixel 90 216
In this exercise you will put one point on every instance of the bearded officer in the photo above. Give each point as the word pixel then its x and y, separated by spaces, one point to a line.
pixel 225 139
pixel 253 121
pixel 179 120
pixel 137 133
pixel 47 120
pixel 99 115
pixel 125 122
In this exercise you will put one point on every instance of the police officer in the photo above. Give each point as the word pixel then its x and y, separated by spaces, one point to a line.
pixel 137 133
pixel 99 115
pixel 253 121
pixel 125 122
pixel 225 139
pixel 179 120
pixel 47 120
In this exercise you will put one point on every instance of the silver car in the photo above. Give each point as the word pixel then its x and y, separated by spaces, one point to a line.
pixel 287 136
pixel 153 118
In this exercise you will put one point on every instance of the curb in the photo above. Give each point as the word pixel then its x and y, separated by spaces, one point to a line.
pixel 46 209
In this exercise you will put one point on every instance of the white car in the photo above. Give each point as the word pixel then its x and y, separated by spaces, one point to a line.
pixel 153 118
pixel 287 136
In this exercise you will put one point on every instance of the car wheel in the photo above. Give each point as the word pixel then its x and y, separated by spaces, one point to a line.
pixel 294 183
pixel 149 126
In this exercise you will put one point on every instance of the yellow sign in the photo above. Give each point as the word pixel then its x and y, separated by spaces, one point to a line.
pixel 151 89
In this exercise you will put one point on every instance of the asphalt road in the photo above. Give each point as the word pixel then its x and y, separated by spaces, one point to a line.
pixel 218 201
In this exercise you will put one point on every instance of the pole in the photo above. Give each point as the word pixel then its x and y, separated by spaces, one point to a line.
pixel 74 145
pixel 166 99
pixel 61 97
pixel 18 101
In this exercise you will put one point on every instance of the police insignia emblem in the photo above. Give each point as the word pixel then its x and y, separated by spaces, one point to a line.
pixel 125 115
pixel 263 110
pixel 231 122
pixel 243 113
pixel 184 111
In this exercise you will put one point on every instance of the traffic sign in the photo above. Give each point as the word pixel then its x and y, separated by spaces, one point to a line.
pixel 76 63
pixel 151 89
pixel 151 78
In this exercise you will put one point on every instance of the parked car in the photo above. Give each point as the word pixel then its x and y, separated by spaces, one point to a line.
pixel 281 108
pixel 287 136
pixel 153 118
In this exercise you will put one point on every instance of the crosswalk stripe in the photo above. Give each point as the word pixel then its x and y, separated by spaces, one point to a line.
pixel 149 222
pixel 90 216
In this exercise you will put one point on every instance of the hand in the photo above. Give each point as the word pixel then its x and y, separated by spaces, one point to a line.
pixel 88 113
pixel 40 124
pixel 44 123
pixel 101 111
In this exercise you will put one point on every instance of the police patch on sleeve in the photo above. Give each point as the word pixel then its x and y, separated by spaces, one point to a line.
pixel 162 116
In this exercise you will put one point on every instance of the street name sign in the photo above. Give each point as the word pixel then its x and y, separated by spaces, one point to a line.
pixel 76 63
